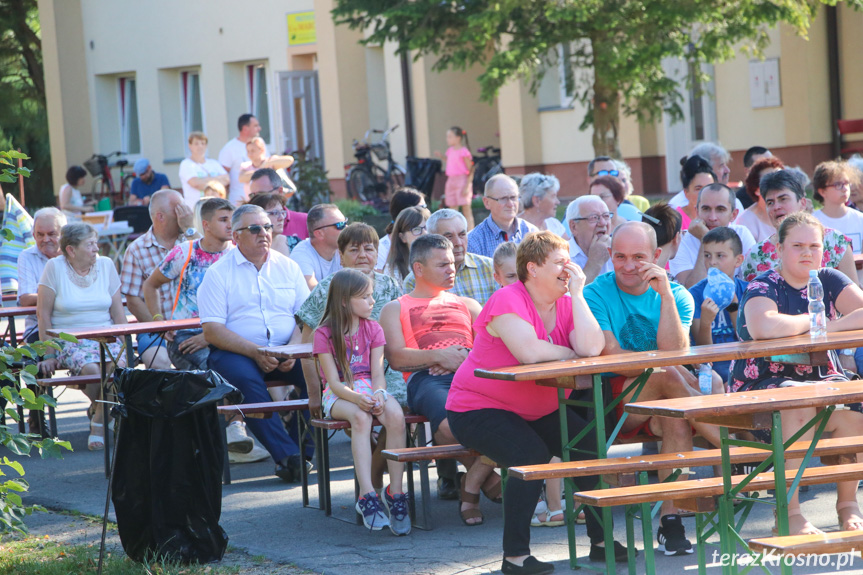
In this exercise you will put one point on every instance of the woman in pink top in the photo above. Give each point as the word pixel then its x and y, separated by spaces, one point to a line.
pixel 459 167
pixel 516 422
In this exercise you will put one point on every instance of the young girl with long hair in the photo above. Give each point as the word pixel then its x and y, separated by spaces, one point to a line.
pixel 350 348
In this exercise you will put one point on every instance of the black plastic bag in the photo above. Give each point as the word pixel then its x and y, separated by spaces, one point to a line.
pixel 421 173
pixel 167 479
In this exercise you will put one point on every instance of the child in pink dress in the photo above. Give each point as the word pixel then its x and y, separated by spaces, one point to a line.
pixel 459 172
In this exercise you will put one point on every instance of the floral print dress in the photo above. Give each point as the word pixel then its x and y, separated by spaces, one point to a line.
pixel 764 256
pixel 759 372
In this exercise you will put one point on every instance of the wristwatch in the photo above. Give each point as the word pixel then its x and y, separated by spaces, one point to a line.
pixel 191 232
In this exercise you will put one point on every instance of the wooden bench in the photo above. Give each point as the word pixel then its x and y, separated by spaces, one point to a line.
pixel 818 544
pixel 323 425
pixel 265 411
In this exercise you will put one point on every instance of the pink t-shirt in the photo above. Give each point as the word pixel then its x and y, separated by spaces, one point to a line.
pixel 295 225
pixel 369 335
pixel 524 398
pixel 455 164
pixel 685 221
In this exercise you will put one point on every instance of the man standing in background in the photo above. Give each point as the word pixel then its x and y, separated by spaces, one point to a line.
pixel 234 154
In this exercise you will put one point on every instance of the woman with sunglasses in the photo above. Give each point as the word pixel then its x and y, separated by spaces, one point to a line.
pixel 410 225
pixel 832 182
pixel 274 205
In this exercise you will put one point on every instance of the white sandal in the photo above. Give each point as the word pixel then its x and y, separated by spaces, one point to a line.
pixel 96 442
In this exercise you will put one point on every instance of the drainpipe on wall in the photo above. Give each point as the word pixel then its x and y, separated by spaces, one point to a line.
pixel 408 104
pixel 833 75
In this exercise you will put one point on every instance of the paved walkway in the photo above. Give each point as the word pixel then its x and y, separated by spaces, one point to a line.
pixel 264 516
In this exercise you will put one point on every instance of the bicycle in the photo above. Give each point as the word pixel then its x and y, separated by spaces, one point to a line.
pixel 485 167
pixel 367 181
pixel 103 181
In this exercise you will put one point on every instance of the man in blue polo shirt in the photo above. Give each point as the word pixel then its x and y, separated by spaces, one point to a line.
pixel 147 183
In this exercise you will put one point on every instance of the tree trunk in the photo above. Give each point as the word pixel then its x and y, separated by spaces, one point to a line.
pixel 606 118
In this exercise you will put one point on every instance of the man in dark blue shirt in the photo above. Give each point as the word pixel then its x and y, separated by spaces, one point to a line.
pixel 147 183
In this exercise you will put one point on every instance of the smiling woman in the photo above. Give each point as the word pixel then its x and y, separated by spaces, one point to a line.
pixel 541 317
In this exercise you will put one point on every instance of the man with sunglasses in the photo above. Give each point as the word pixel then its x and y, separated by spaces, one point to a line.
pixel 602 166
pixel 589 223
pixel 247 300
pixel 318 256
pixel 501 198
pixel 268 181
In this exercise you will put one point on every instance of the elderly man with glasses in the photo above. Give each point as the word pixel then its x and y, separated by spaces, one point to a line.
pixel 318 256
pixel 589 223
pixel 501 198
pixel 247 301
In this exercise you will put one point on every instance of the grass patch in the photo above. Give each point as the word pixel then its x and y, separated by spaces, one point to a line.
pixel 33 556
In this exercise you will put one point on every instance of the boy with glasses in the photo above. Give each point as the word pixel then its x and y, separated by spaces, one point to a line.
pixel 318 256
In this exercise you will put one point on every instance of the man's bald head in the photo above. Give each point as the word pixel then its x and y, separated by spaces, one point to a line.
pixel 163 201
pixel 634 230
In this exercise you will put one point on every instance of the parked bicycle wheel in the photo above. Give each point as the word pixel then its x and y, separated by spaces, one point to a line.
pixel 361 185
pixel 101 188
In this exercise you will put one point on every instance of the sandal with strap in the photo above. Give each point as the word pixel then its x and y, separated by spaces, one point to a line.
pixel 808 528
pixel 492 488
pixel 467 514
pixel 854 520
pixel 552 519
pixel 96 442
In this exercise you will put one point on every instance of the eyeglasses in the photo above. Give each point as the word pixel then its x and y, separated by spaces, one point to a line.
pixel 418 231
pixel 338 225
pixel 256 229
pixel 280 214
pixel 594 218
pixel 276 190
pixel 614 173
pixel 505 199
pixel 839 185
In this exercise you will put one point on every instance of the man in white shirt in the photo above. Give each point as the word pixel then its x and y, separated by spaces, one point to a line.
pixel 318 256
pixel 247 301
pixel 589 222
pixel 234 153
pixel 715 209
pixel 47 223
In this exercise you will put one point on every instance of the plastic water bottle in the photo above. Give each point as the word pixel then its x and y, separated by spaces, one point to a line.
pixel 705 379
pixel 817 316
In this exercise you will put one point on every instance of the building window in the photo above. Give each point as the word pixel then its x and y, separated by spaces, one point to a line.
pixel 193 107
pixel 557 88
pixel 130 134
pixel 258 97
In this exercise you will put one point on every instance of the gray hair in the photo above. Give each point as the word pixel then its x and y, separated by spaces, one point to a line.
pixel 492 182
pixel 443 214
pixel 75 233
pixel 536 185
pixel 51 212
pixel 802 176
pixel 425 244
pixel 573 210
pixel 242 211
pixel 856 162
pixel 711 152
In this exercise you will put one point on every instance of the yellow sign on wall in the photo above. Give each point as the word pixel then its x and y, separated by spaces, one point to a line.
pixel 301 28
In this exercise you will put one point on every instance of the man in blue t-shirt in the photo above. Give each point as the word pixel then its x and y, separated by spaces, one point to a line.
pixel 639 309
pixel 146 184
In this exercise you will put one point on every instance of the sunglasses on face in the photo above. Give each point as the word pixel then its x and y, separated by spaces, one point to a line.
pixel 338 225
pixel 256 229
pixel 614 173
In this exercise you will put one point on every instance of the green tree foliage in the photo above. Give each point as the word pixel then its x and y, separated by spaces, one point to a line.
pixel 616 46
pixel 23 119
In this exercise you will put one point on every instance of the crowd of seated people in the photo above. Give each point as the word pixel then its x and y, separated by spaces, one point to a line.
pixel 423 306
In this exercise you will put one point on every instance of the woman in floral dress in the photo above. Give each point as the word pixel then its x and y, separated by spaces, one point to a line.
pixel 775 305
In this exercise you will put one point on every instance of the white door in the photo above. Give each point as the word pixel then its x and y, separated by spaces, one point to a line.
pixel 699 119
pixel 300 109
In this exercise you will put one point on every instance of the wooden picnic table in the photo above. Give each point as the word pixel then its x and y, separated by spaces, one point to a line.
pixel 108 334
pixel 564 375
pixel 761 409
pixel 10 313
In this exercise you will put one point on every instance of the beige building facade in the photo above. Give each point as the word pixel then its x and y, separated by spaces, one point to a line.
pixel 138 78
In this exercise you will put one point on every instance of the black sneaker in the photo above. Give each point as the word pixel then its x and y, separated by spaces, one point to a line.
pixel 671 536
pixel 531 566
pixel 597 553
